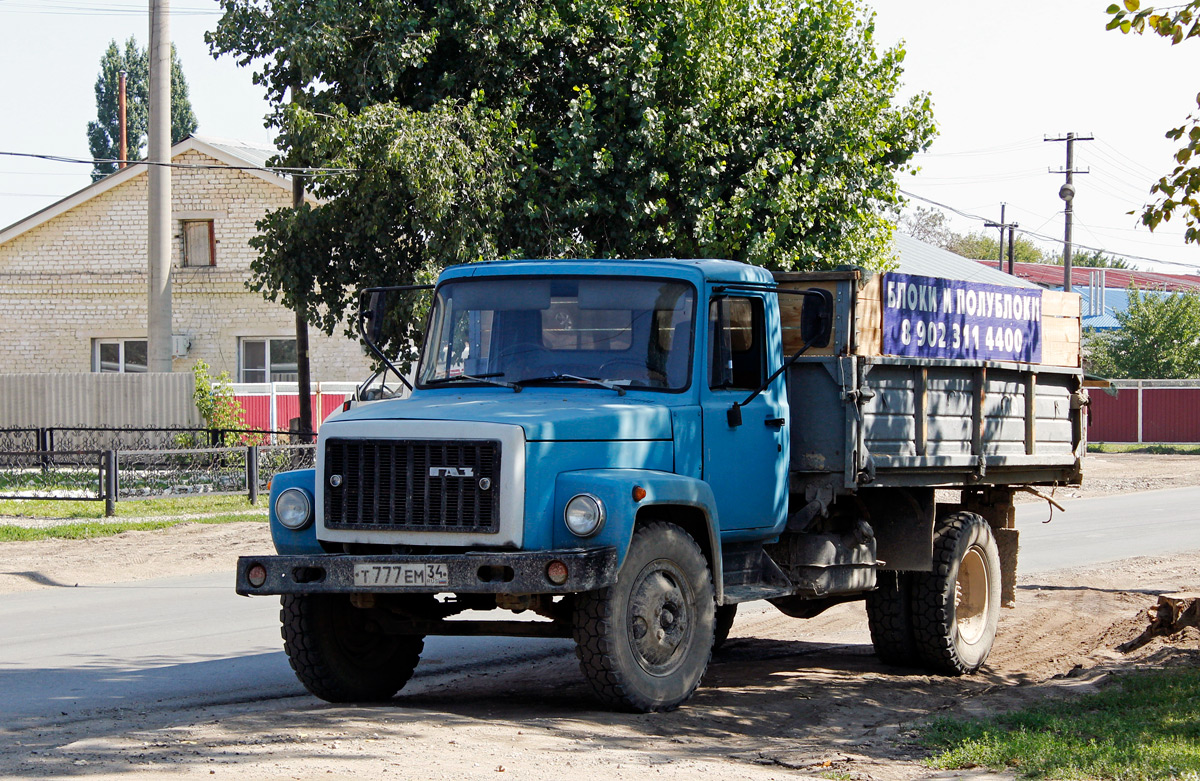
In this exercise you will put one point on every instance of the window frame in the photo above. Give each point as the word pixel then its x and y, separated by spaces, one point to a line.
pixel 267 369
pixel 212 242
pixel 434 324
pixel 120 342
pixel 758 344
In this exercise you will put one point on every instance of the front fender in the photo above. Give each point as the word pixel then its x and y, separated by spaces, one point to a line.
pixel 615 487
pixel 303 541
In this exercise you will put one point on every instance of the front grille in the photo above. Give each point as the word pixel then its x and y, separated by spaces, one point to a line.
pixel 412 485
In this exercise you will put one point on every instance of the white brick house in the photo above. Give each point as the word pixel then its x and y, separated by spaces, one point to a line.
pixel 73 280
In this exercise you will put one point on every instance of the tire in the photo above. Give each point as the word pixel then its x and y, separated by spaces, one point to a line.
pixel 644 642
pixel 338 652
pixel 956 607
pixel 889 615
pixel 722 623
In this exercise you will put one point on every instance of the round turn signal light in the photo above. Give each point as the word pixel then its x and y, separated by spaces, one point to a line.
pixel 557 573
pixel 257 575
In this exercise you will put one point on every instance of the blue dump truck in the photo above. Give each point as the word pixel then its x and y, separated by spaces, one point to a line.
pixel 623 451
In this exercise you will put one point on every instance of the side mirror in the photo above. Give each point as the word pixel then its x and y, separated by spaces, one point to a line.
pixel 816 317
pixel 376 309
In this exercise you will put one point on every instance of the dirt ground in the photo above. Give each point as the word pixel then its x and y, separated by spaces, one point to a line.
pixel 784 699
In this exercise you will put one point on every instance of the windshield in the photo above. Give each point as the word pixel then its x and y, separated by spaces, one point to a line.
pixel 633 333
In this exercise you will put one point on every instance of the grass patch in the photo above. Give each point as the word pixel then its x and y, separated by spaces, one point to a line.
pixel 1154 449
pixel 1143 726
pixel 133 508
pixel 84 531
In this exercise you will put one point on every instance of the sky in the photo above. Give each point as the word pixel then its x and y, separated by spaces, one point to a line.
pixel 1005 76
pixel 1002 76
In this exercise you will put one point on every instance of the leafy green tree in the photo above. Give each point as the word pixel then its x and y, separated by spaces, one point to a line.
pixel 761 130
pixel 1159 338
pixel 929 226
pixel 981 246
pixel 1092 259
pixel 1177 191
pixel 104 133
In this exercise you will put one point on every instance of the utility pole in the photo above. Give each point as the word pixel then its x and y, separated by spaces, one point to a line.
pixel 303 375
pixel 124 148
pixel 1002 225
pixel 1067 193
pixel 1011 244
pixel 158 208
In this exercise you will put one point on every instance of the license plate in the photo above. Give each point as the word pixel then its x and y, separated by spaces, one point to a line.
pixel 399 575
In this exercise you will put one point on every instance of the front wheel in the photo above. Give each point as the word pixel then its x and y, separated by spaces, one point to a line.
pixel 644 642
pixel 340 654
pixel 956 607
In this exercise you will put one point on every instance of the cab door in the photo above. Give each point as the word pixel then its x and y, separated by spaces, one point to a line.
pixel 746 465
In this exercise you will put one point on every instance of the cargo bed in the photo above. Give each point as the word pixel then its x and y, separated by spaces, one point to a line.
pixel 861 418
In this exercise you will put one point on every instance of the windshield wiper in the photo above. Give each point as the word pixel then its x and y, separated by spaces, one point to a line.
pixel 487 378
pixel 574 378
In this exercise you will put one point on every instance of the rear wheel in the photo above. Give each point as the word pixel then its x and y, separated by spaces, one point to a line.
pixel 889 615
pixel 956 607
pixel 644 642
pixel 340 653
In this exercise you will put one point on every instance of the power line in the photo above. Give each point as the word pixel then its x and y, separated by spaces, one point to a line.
pixel 1118 153
pixel 1002 177
pixel 190 166
pixel 1051 239
pixel 66 7
pixel 1016 146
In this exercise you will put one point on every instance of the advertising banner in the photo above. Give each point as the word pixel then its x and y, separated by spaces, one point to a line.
pixel 930 317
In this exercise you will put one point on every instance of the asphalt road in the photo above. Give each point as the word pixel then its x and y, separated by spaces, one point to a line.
pixel 167 643
pixel 1108 528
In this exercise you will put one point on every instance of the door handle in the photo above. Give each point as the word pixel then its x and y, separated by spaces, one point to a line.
pixel 776 422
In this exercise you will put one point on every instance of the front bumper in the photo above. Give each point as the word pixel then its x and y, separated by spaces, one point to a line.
pixel 465 573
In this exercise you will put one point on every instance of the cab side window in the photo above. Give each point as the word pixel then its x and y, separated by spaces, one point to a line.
pixel 737 346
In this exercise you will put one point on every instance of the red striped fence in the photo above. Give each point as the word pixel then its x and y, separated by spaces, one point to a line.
pixel 1145 411
pixel 270 406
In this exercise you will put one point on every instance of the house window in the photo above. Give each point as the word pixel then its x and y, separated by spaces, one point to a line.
pixel 268 360
pixel 119 355
pixel 199 243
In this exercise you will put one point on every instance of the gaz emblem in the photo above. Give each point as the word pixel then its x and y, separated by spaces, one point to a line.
pixel 451 471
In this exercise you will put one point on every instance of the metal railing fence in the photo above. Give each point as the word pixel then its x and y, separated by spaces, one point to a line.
pixel 80 463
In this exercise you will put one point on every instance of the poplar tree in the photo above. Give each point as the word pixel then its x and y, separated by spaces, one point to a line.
pixel 104 133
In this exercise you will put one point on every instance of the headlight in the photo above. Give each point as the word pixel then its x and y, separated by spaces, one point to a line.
pixel 584 515
pixel 293 509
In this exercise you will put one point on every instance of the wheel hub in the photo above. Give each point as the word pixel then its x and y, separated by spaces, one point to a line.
pixel 971 597
pixel 660 618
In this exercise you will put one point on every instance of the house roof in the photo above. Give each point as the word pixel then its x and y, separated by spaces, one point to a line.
pixel 917 257
pixel 1099 308
pixel 235 154
pixel 1046 275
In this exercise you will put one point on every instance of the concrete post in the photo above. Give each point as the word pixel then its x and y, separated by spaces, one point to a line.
pixel 110 483
pixel 158 211
pixel 252 472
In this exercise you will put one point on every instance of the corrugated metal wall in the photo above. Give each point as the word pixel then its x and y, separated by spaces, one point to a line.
pixel 93 399
pixel 1146 411
pixel 1169 415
